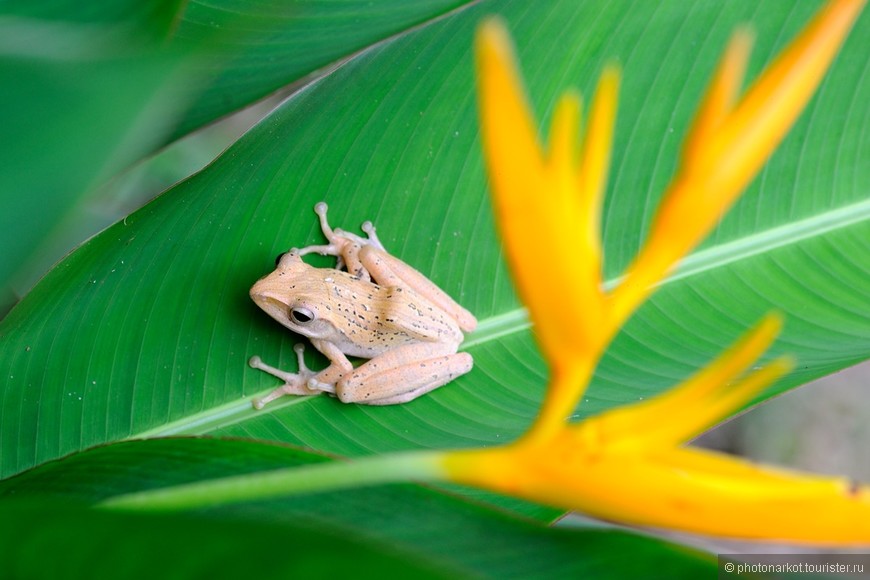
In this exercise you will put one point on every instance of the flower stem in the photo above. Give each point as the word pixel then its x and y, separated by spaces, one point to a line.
pixel 321 477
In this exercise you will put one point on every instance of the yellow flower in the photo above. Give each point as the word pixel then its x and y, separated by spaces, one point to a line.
pixel 628 464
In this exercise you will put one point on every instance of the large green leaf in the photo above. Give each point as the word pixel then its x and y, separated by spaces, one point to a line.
pixel 398 525
pixel 146 329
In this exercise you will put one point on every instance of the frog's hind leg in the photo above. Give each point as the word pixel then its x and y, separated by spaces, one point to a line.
pixel 345 246
pixel 339 236
pixel 386 380
pixel 387 270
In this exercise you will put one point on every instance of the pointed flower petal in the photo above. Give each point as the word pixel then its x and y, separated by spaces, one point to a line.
pixel 720 97
pixel 542 215
pixel 705 398
pixel 548 207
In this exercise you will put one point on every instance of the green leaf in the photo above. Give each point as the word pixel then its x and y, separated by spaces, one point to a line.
pixel 71 116
pixel 84 543
pixel 273 47
pixel 407 526
pixel 146 329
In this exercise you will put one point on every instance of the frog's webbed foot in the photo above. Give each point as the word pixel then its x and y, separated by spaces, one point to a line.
pixel 294 383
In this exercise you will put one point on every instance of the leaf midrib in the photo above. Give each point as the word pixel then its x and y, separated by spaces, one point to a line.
pixel 516 320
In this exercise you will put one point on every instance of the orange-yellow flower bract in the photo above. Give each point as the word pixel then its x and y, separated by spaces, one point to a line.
pixel 628 464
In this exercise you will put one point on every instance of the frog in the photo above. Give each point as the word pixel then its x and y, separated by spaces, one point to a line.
pixel 371 306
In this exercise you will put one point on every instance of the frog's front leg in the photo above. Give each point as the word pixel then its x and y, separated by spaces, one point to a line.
pixel 294 383
pixel 339 366
pixel 403 374
pixel 306 381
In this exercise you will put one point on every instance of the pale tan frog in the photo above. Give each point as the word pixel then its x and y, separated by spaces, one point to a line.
pixel 379 308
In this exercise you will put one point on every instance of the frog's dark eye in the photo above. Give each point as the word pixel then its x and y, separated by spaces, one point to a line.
pixel 278 258
pixel 301 315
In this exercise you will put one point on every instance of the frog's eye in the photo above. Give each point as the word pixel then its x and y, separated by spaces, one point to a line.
pixel 278 258
pixel 301 315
